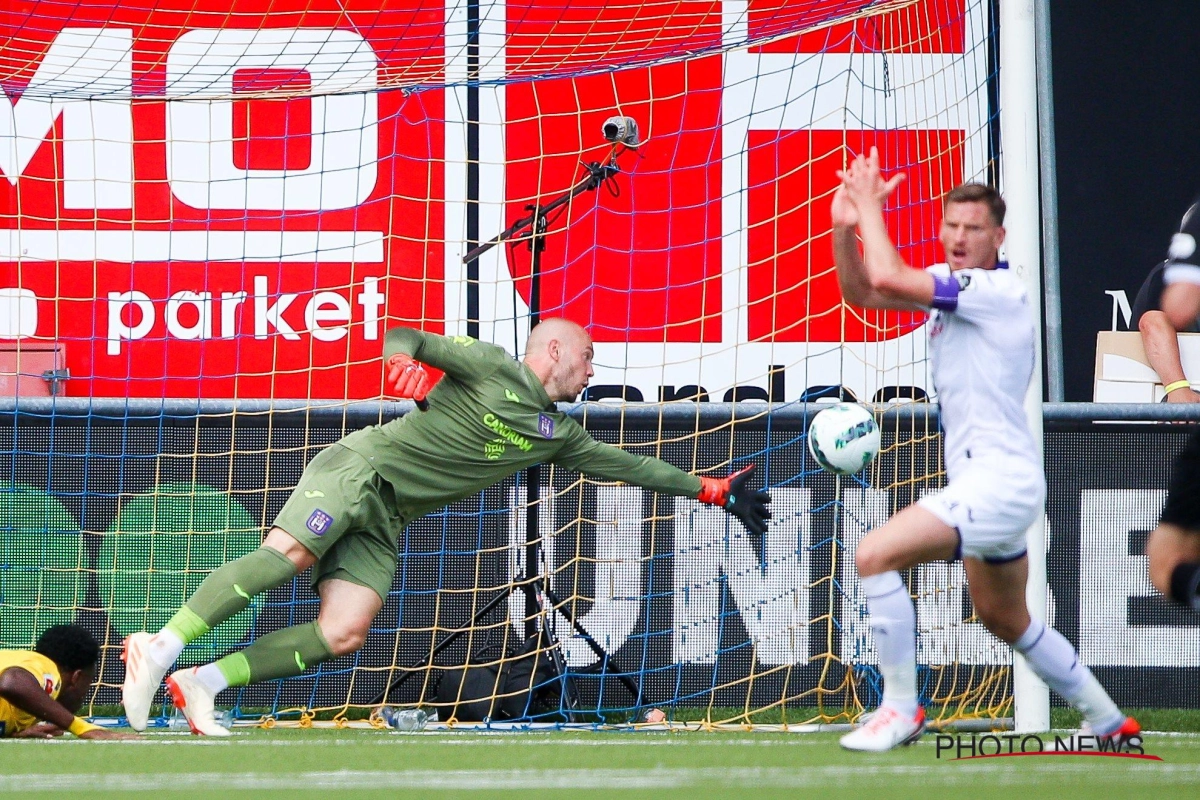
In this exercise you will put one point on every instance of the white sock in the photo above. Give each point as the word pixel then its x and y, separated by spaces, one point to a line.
pixel 894 627
pixel 212 677
pixel 164 648
pixel 1053 660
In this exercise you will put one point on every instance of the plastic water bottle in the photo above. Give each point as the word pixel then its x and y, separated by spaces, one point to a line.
pixel 404 719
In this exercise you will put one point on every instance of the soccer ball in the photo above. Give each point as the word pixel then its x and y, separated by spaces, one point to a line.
pixel 843 438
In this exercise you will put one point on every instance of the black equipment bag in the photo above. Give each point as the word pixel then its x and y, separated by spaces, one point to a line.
pixel 525 684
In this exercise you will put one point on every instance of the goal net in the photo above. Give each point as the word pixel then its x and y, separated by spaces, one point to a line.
pixel 213 211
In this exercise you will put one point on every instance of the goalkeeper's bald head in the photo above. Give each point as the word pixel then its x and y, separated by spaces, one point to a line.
pixel 559 352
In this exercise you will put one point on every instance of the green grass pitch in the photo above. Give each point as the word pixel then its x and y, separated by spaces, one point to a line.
pixel 355 763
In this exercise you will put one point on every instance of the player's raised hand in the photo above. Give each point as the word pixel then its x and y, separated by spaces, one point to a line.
pixel 733 494
pixel 842 213
pixel 864 182
pixel 407 379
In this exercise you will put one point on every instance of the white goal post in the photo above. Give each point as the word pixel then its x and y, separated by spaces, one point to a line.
pixel 1019 179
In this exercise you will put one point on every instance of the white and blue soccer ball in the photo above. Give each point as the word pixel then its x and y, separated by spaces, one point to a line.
pixel 843 438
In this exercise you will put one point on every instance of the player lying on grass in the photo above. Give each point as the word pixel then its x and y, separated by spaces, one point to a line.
pixel 1173 548
pixel 41 689
pixel 982 347
pixel 489 417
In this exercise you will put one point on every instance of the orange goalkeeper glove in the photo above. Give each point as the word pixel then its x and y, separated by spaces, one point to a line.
pixel 732 494
pixel 408 379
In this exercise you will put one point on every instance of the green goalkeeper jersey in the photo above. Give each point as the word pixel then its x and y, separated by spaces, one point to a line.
pixel 488 417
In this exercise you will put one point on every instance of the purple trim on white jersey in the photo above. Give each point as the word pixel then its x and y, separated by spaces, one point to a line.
pixel 945 292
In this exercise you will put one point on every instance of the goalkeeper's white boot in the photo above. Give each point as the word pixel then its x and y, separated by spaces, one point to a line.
pixel 142 679
pixel 195 700
pixel 887 728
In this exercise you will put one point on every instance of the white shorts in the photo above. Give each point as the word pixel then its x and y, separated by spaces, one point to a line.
pixel 991 504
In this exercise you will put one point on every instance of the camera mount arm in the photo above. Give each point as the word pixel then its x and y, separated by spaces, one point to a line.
pixel 597 174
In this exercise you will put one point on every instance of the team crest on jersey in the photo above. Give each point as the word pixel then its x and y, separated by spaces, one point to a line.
pixel 964 280
pixel 545 426
pixel 319 522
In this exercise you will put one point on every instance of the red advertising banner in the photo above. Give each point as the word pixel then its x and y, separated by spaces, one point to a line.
pixel 233 210
pixel 794 294
pixel 644 265
pixel 237 198
pixel 926 26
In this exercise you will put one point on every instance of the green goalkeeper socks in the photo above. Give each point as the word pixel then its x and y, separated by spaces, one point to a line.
pixel 228 589
pixel 281 654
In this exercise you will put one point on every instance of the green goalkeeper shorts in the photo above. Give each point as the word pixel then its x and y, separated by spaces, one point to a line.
pixel 345 514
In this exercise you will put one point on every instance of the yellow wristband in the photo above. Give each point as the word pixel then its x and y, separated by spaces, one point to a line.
pixel 1170 387
pixel 81 726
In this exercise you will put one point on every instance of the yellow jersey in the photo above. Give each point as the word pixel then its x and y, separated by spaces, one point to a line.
pixel 12 719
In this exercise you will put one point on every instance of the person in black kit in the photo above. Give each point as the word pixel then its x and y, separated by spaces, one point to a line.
pixel 1173 548
pixel 1159 337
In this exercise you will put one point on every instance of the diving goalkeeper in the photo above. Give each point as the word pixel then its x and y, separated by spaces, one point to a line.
pixel 489 417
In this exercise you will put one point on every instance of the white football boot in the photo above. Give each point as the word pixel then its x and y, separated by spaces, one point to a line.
pixel 142 679
pixel 1120 738
pixel 195 700
pixel 886 728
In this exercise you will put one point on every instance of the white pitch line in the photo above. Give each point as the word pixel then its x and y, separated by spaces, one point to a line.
pixel 387 738
pixel 396 739
pixel 568 779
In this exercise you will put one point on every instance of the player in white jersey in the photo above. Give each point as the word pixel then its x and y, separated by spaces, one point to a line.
pixel 982 347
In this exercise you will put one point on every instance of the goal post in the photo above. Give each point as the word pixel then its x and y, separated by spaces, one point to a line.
pixel 1019 160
